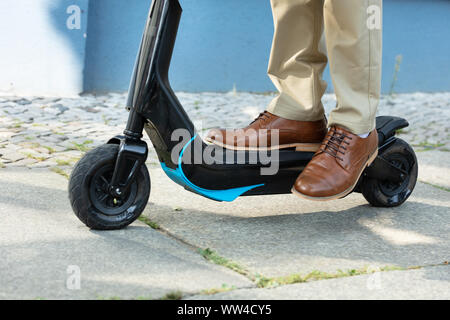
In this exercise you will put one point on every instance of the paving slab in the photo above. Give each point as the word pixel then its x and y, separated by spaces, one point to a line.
pixel 43 247
pixel 427 283
pixel 282 234
pixel 434 167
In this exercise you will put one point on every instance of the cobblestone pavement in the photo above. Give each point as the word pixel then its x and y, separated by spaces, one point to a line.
pixel 39 132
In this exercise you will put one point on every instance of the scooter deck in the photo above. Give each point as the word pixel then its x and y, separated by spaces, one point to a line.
pixel 225 181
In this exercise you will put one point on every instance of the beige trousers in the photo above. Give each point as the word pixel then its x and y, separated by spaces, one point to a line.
pixel 353 40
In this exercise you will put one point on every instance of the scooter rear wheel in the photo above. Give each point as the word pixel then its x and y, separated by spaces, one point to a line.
pixel 90 198
pixel 381 193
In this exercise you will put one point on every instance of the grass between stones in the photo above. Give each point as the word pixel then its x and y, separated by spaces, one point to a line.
pixel 149 222
pixel 34 157
pixel 224 288
pixel 175 295
pixel 316 275
pixel 67 162
pixel 427 146
pixel 16 125
pixel 213 257
pixel 60 172
pixel 50 149
pixel 83 147
pixel 436 186
pixel 63 162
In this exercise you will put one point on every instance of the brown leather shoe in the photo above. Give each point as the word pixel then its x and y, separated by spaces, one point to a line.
pixel 302 135
pixel 335 169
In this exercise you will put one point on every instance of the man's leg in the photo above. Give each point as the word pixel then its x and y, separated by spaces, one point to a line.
pixel 296 65
pixel 353 37
pixel 297 59
pixel 354 44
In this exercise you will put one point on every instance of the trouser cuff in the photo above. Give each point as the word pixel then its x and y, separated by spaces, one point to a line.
pixel 360 127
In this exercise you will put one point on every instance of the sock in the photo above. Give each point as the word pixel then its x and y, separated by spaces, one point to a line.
pixel 365 135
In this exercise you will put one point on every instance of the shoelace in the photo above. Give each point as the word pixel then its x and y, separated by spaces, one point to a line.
pixel 262 116
pixel 332 144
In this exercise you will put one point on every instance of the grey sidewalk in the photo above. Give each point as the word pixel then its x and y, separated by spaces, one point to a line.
pixel 282 235
pixel 40 238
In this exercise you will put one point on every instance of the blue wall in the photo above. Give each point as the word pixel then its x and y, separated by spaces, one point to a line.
pixel 419 31
pixel 222 43
pixel 114 32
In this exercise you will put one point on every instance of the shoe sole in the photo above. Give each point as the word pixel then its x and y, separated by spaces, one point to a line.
pixel 342 194
pixel 305 147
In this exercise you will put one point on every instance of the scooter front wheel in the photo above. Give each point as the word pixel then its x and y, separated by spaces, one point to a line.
pixel 89 192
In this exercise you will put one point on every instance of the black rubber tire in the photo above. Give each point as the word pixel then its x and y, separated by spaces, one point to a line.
pixel 80 191
pixel 374 191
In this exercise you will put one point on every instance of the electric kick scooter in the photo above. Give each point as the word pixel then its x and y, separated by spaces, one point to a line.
pixel 110 186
